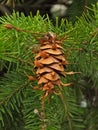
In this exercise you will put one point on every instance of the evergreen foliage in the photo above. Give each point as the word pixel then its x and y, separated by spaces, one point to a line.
pixel 20 104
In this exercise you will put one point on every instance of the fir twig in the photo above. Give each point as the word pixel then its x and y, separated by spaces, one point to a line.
pixel 61 95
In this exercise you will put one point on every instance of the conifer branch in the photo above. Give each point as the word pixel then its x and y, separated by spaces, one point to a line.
pixel 61 95
pixel 13 93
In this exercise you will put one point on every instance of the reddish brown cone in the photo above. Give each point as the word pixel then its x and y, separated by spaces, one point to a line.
pixel 50 63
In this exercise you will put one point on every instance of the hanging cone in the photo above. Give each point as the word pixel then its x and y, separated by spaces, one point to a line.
pixel 50 63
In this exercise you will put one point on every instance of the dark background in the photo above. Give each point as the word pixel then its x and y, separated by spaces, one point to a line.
pixel 73 7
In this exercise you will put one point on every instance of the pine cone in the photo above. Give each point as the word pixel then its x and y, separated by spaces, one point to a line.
pixel 50 63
